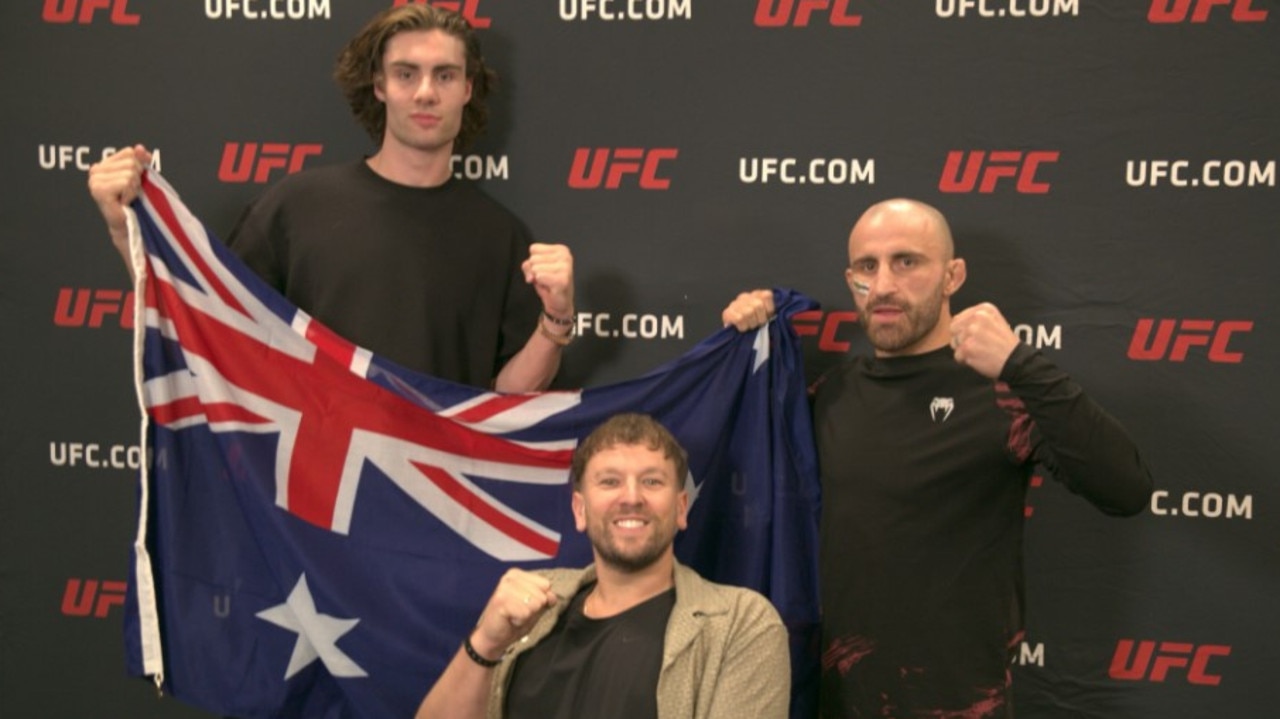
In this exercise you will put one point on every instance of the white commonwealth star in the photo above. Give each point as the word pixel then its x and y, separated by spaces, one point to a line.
pixel 761 346
pixel 317 633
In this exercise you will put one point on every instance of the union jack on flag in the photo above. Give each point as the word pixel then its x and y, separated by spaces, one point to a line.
pixel 319 527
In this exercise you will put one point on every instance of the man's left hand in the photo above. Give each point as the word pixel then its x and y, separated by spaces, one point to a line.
pixel 550 270
pixel 982 339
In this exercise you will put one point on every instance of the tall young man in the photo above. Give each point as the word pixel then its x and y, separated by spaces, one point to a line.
pixel 392 252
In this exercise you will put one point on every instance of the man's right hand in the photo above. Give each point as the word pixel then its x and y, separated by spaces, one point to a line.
pixel 114 183
pixel 749 310
pixel 516 605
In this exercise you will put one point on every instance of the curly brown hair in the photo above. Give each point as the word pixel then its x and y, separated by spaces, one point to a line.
pixel 630 429
pixel 359 66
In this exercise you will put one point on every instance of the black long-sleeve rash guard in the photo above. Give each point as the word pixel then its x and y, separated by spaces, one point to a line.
pixel 925 465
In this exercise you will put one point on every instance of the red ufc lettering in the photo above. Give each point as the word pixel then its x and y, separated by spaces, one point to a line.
pixel 1128 665
pixel 82 307
pixel 777 13
pixel 64 11
pixel 1001 163
pixel 465 8
pixel 238 162
pixel 807 324
pixel 1189 333
pixel 1171 11
pixel 591 169
pixel 83 596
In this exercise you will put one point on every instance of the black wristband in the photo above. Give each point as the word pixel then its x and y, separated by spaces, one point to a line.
pixel 475 656
pixel 562 322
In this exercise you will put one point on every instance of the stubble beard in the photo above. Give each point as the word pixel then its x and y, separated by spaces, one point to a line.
pixel 643 557
pixel 919 322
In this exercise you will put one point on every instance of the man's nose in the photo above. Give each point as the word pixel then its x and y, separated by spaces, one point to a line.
pixel 426 91
pixel 880 283
pixel 631 493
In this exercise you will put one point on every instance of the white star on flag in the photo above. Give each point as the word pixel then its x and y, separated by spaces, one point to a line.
pixel 761 346
pixel 317 633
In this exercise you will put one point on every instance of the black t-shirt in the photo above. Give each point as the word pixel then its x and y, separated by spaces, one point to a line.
pixel 594 667
pixel 924 467
pixel 426 277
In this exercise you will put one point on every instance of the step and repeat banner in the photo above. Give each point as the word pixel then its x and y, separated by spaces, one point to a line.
pixel 1108 168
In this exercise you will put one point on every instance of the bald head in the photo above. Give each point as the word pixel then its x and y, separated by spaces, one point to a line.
pixel 908 217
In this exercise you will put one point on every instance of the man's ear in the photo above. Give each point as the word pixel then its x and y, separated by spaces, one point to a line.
pixel 579 516
pixel 956 275
pixel 682 510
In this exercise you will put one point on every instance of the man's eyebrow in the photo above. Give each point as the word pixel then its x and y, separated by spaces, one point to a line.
pixel 893 256
pixel 409 64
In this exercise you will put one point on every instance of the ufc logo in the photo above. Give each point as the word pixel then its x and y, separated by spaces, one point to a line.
pixel 1171 11
pixel 999 164
pixel 1175 339
pixel 591 169
pixel 240 162
pixel 82 11
pixel 87 596
pixel 1133 666
pixel 88 308
pixel 465 8
pixel 812 323
pixel 779 13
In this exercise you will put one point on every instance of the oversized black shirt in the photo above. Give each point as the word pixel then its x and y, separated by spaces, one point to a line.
pixel 925 465
pixel 429 278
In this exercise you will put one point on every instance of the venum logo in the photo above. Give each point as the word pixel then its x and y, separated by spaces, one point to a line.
pixel 62 12
pixel 468 9
pixel 963 172
pixel 940 408
pixel 90 308
pixel 1174 339
pixel 1139 661
pixel 797 13
pixel 85 597
pixel 606 167
pixel 243 161
pixel 1177 11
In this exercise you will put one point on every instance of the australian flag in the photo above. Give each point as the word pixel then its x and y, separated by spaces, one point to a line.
pixel 319 528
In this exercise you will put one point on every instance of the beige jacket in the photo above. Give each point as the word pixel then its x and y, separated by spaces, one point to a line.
pixel 724 656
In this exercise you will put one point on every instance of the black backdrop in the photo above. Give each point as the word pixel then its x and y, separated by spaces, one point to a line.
pixel 1109 169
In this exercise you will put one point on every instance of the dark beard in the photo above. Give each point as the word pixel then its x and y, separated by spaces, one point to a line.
pixel 920 322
